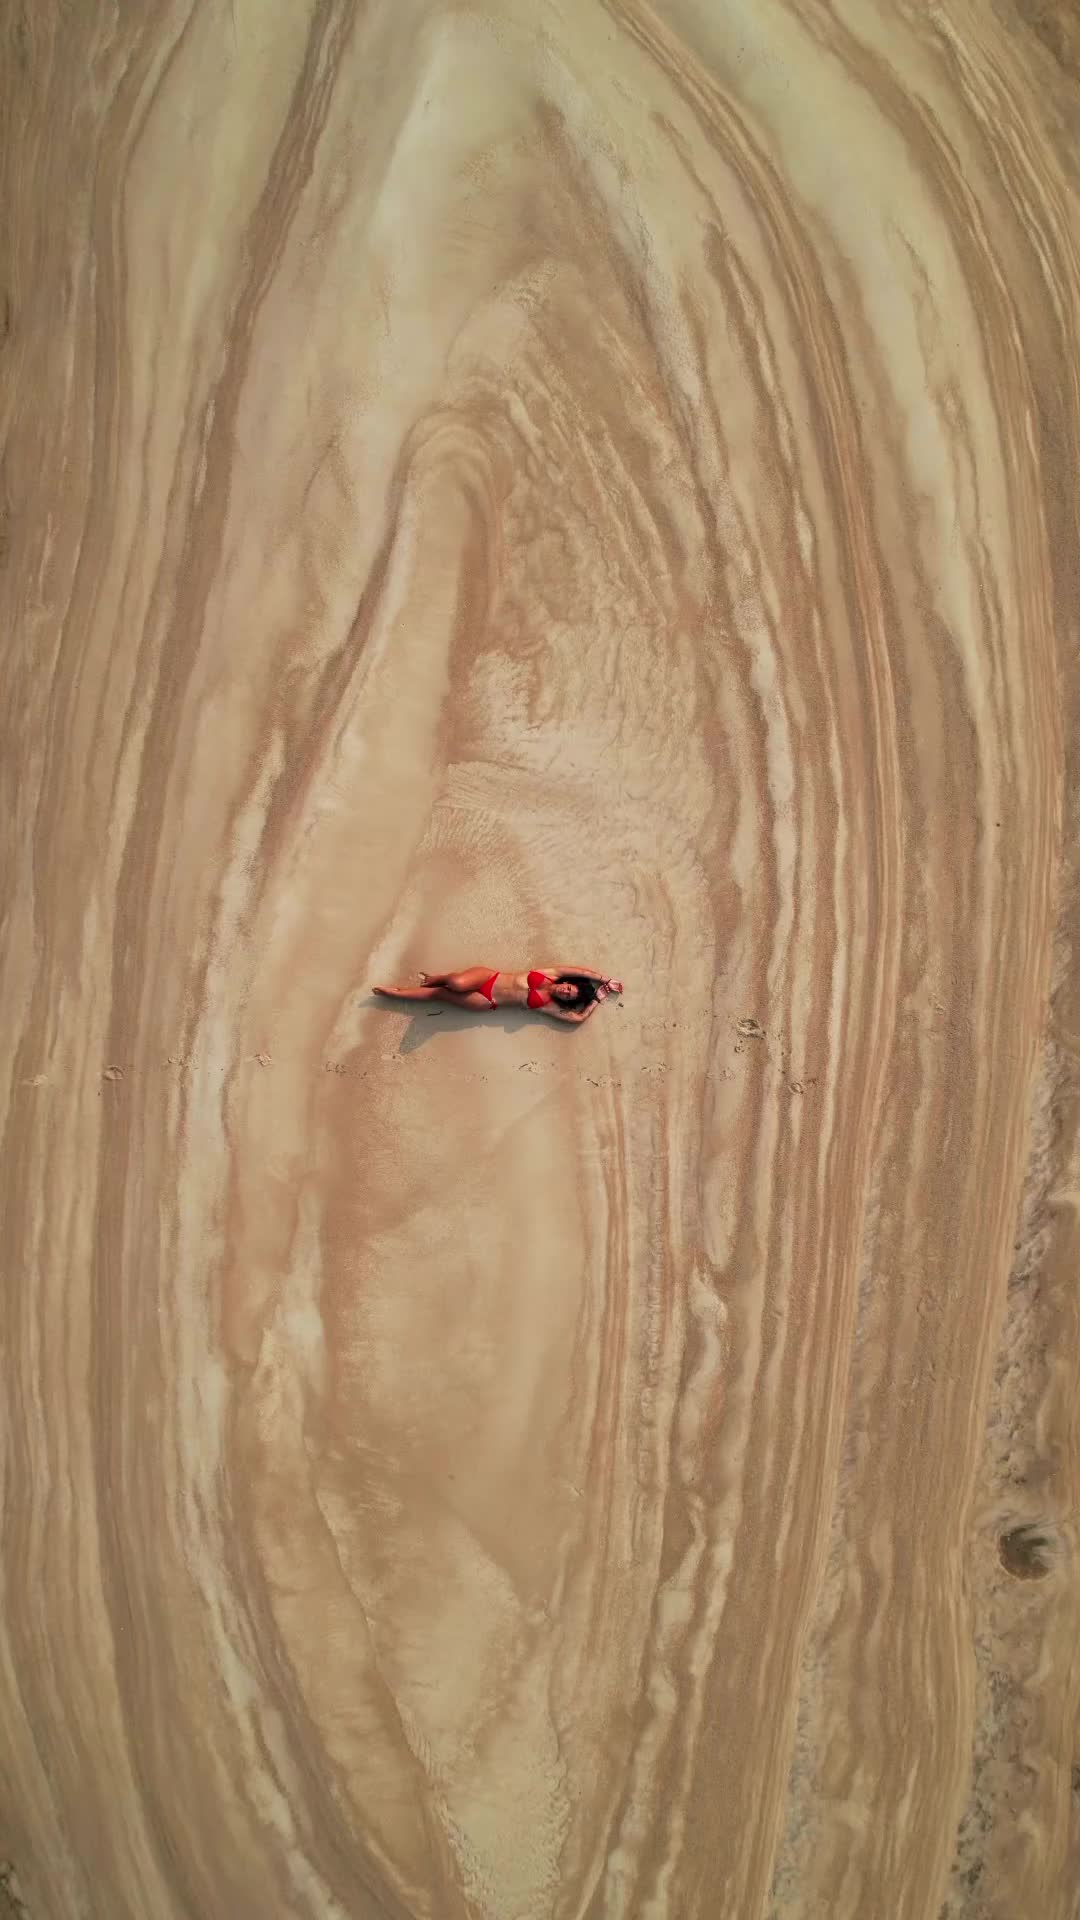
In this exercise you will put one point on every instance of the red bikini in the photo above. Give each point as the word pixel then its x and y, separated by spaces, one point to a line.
pixel 537 981
pixel 536 997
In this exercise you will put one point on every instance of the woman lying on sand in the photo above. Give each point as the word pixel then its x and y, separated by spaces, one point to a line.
pixel 566 993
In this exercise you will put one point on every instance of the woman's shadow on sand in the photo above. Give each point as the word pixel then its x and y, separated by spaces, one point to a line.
pixel 428 1022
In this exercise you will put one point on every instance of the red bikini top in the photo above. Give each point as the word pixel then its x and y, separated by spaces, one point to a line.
pixel 537 981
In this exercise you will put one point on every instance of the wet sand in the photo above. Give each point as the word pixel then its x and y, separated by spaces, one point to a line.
pixel 511 484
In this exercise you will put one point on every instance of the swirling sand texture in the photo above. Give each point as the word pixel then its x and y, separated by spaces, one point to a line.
pixel 591 481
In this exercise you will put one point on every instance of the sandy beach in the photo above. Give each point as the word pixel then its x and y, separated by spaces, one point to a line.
pixel 511 483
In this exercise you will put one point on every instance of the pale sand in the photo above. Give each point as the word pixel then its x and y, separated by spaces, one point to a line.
pixel 521 482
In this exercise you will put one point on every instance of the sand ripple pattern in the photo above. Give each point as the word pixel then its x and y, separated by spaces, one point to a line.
pixel 594 481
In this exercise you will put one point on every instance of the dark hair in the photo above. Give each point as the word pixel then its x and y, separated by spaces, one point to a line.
pixel 586 988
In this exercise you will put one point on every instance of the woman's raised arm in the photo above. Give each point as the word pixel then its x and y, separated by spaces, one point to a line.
pixel 572 1015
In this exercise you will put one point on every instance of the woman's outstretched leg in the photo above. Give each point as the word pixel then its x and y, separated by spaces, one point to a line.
pixel 465 980
pixel 475 1002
